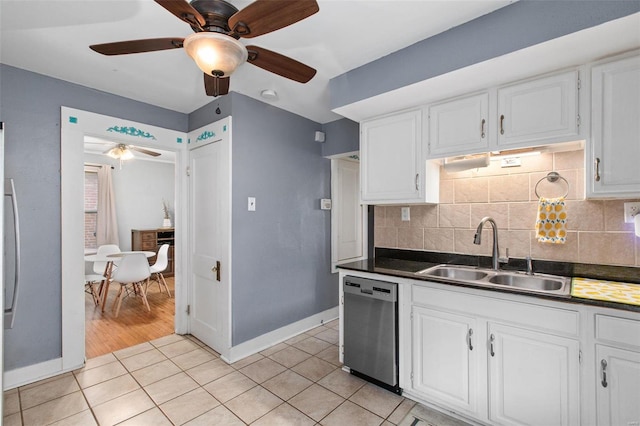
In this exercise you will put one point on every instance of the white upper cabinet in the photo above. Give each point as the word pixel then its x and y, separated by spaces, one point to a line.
pixel 393 166
pixel 459 126
pixel 540 111
pixel 613 152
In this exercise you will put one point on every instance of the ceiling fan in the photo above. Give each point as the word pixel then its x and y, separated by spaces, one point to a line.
pixel 215 47
pixel 123 152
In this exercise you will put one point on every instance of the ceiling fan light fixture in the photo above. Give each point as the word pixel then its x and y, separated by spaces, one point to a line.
pixel 120 153
pixel 215 54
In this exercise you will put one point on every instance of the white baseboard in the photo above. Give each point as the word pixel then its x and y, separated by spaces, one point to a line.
pixel 32 373
pixel 274 337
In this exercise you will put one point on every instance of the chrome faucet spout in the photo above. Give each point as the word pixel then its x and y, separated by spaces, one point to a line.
pixel 477 239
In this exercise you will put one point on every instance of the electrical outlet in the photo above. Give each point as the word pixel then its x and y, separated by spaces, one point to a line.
pixel 630 210
pixel 251 204
pixel 404 215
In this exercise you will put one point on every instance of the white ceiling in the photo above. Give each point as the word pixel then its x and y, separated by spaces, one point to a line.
pixel 51 37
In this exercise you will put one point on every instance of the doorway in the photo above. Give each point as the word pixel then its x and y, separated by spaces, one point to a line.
pixel 143 195
pixel 75 125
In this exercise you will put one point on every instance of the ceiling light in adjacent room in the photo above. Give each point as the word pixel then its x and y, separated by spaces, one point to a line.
pixel 120 152
pixel 215 54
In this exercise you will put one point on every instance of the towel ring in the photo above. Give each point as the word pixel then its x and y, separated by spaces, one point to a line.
pixel 552 177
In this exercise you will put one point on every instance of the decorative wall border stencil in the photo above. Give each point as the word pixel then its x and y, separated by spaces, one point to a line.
pixel 131 131
pixel 206 135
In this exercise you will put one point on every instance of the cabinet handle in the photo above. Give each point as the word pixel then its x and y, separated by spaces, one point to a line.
pixel 597 165
pixel 482 134
pixel 501 124
pixel 469 334
pixel 491 340
pixel 603 364
pixel 417 181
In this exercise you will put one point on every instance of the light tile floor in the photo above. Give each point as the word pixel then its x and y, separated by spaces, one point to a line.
pixel 177 380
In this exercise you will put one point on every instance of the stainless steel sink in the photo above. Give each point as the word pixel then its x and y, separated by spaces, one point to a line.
pixel 530 282
pixel 506 280
pixel 455 272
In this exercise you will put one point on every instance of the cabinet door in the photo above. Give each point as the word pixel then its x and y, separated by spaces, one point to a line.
pixel 533 378
pixel 539 111
pixel 444 358
pixel 459 127
pixel 392 162
pixel 618 394
pixel 614 154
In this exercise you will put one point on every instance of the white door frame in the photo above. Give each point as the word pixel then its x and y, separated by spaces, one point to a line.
pixel 75 124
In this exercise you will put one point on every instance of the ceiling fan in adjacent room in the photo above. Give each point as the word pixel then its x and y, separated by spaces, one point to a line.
pixel 215 47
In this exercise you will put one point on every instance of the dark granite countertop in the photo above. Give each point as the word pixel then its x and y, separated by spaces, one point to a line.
pixel 405 263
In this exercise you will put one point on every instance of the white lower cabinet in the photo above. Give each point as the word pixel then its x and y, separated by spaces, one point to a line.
pixel 617 369
pixel 533 377
pixel 445 365
pixel 618 394
pixel 498 361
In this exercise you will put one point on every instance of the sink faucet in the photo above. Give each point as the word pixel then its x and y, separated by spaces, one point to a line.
pixel 477 239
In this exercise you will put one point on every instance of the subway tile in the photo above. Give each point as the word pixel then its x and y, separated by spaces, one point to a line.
pixel 509 188
pixel 439 239
pixel 424 216
pixel 522 215
pixel 585 215
pixel 446 191
pixel 569 160
pixel 607 248
pixel 474 190
pixel 498 211
pixel 614 216
pixel 386 237
pixel 455 216
pixel 410 238
pixel 567 252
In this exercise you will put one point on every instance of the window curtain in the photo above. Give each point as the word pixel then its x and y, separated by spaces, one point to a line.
pixel 107 223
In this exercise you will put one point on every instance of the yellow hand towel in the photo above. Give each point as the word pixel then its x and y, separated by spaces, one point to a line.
pixel 552 221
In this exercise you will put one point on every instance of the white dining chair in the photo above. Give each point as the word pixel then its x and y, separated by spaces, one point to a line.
pixel 105 250
pixel 162 261
pixel 91 280
pixel 133 276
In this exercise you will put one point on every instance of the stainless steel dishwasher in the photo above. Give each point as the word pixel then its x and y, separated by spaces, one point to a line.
pixel 371 330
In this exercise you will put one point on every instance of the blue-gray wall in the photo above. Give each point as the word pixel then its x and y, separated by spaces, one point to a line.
pixel 519 25
pixel 281 252
pixel 341 136
pixel 30 107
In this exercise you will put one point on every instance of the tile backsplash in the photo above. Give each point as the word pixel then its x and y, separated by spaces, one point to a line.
pixel 596 232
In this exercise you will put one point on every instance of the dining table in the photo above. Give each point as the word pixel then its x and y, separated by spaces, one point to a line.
pixel 109 261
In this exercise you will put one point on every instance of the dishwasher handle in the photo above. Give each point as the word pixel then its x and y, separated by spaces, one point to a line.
pixel 366 291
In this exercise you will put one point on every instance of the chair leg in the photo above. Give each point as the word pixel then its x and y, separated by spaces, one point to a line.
pixel 164 283
pixel 118 300
pixel 144 294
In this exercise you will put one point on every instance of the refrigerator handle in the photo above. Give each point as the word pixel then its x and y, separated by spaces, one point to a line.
pixel 9 313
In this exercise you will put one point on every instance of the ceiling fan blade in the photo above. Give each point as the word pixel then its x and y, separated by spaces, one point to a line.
pixel 138 46
pixel 183 11
pixel 280 64
pixel 216 86
pixel 144 151
pixel 264 16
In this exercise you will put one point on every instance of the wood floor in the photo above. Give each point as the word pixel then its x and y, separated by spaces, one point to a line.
pixel 105 333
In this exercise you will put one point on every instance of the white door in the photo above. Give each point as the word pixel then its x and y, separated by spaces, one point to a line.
pixel 348 219
pixel 209 229
pixel 533 378
pixel 445 358
pixel 618 397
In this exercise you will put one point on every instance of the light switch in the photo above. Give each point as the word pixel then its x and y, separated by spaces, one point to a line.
pixel 252 204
